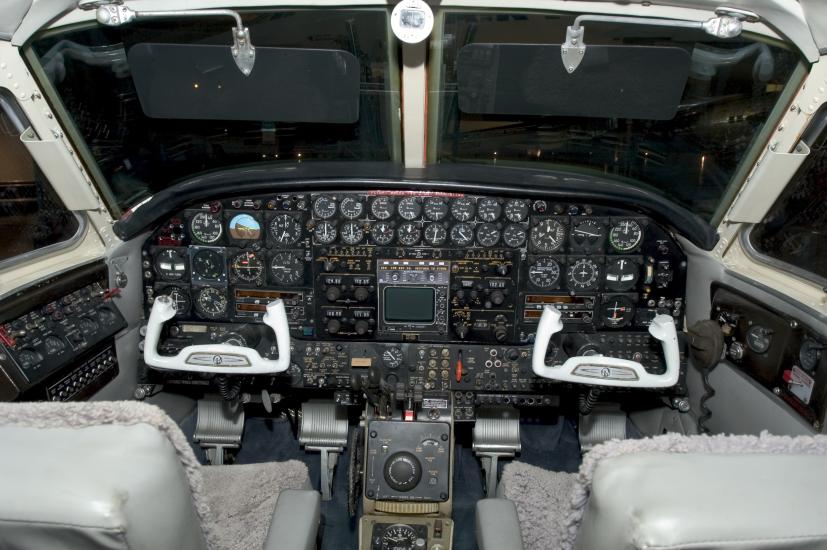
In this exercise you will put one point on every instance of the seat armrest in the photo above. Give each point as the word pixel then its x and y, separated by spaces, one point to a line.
pixel 295 522
pixel 498 527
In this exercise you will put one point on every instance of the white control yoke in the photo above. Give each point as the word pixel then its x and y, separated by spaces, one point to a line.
pixel 599 370
pixel 217 358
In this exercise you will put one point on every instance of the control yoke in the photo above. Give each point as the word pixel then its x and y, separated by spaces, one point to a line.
pixel 599 370
pixel 217 358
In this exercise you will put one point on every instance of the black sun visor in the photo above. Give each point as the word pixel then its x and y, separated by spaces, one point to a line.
pixel 199 81
pixel 638 82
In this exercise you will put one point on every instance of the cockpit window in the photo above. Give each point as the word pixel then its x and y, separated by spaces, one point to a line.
pixel 526 109
pixel 140 147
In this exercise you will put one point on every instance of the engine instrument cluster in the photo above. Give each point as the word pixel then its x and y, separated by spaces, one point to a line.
pixel 398 267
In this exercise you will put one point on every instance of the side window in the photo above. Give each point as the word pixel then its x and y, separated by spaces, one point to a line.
pixel 31 215
pixel 795 229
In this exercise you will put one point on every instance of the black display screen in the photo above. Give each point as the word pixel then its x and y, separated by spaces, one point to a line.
pixel 409 304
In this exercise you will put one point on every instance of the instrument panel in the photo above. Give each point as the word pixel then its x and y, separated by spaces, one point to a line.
pixel 440 291
pixel 414 266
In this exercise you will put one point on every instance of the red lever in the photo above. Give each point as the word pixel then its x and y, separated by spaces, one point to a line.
pixel 111 293
pixel 458 374
pixel 6 338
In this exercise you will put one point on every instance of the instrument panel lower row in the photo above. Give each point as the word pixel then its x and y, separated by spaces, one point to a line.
pixel 415 266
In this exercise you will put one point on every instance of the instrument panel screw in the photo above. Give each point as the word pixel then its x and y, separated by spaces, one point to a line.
pixel 776 391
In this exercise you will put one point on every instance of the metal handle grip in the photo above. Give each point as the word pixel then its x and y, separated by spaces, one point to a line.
pixel 217 358
pixel 599 370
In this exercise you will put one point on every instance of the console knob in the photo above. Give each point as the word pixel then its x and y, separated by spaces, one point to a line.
pixel 462 329
pixel 497 298
pixel 361 327
pixel 503 269
pixel 500 332
pixel 361 294
pixel 403 471
pixel 333 326
pixel 329 265
pixel 333 293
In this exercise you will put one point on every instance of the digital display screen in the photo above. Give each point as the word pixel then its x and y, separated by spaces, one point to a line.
pixel 409 304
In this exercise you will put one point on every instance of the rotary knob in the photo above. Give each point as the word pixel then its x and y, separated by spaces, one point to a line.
pixel 403 471
pixel 361 294
pixel 333 293
pixel 333 326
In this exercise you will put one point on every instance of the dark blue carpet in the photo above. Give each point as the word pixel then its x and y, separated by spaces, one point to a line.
pixel 548 442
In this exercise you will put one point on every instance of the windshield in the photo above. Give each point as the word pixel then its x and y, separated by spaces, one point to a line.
pixel 691 154
pixel 108 80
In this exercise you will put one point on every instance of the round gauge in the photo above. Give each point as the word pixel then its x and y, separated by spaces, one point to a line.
pixel 285 229
pixel 409 208
pixel 488 234
pixel 171 264
pixel 234 339
pixel 352 232
pixel 759 339
pixel 809 354
pixel 399 537
pixel 206 227
pixel 488 210
pixel 514 235
pixel 210 302
pixel 28 357
pixel 587 234
pixel 544 272
pixel 583 274
pixel 462 209
pixel 245 227
pixel 516 210
pixel 180 299
pixel 382 233
pixel 247 266
pixel 88 325
pixel 53 344
pixel 408 234
pixel 435 234
pixel 618 311
pixel 325 233
pixel 392 357
pixel 351 208
pixel 286 268
pixel 436 208
pixel 625 235
pixel 208 264
pixel 324 207
pixel 548 235
pixel 382 208
pixel 462 234
pixel 621 274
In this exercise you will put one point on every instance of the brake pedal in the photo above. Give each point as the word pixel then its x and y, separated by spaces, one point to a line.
pixel 219 427
pixel 324 428
pixel 496 436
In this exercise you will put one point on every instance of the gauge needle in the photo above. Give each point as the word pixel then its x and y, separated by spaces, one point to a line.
pixel 581 232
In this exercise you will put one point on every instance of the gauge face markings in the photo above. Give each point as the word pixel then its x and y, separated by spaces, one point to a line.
pixel 463 209
pixel 382 233
pixel 436 208
pixel 489 210
pixel 408 234
pixel 208 264
pixel 382 208
pixel 285 229
pixel 516 210
pixel 180 299
pixel 548 235
pixel 206 227
pixel 325 232
pixel 618 311
pixel 583 274
pixel 324 207
pixel 625 235
pixel 435 234
pixel 351 208
pixel 171 265
pixel 514 235
pixel 286 268
pixel 352 233
pixel 621 274
pixel 210 302
pixel 462 234
pixel 487 234
pixel 544 272
pixel 587 234
pixel 409 208
pixel 247 266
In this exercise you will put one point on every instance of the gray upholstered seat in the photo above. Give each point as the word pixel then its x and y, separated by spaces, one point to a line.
pixel 121 475
pixel 678 492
